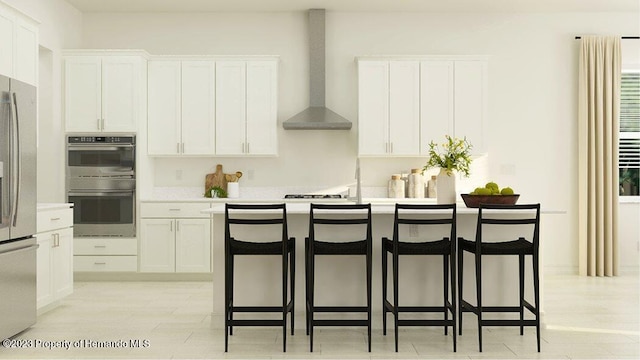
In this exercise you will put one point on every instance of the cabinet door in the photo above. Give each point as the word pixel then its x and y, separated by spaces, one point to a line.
pixel 63 263
pixel 6 42
pixel 262 108
pixel 373 107
pixel 163 124
pixel 25 66
pixel 198 108
pixel 470 101
pixel 82 94
pixel 404 107
pixel 230 107
pixel 193 245
pixel 157 245
pixel 44 287
pixel 436 102
pixel 120 93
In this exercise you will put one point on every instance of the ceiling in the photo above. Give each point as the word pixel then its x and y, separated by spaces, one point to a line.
pixel 356 5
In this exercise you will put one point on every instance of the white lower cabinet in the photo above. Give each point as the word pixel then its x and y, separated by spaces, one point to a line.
pixel 174 237
pixel 105 254
pixel 54 256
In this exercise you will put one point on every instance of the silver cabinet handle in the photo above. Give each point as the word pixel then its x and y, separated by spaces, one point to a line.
pixel 102 124
pixel 98 124
pixel 178 148
pixel 386 147
pixel 174 209
pixel 171 226
pixel 100 263
pixel 100 246
pixel 55 219
pixel 243 147
pixel 183 148
pixel 392 148
pixel 177 225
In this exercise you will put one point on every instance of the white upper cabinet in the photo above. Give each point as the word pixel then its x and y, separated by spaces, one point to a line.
pixel 404 108
pixel 103 93
pixel 181 116
pixel 163 113
pixel 198 108
pixel 246 107
pixel 389 108
pixel 18 46
pixel 262 108
pixel 404 104
pixel 436 102
pixel 373 107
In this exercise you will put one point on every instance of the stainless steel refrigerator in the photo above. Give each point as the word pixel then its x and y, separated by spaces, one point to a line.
pixel 17 206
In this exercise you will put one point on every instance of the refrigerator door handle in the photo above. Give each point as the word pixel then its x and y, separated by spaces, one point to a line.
pixel 16 158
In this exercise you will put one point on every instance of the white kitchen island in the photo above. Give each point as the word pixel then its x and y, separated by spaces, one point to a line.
pixel 258 282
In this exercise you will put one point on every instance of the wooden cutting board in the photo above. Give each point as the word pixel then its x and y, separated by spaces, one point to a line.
pixel 216 179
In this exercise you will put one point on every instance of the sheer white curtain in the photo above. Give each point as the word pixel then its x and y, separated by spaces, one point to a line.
pixel 598 116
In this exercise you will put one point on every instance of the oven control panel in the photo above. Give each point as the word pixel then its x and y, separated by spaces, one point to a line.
pixel 101 139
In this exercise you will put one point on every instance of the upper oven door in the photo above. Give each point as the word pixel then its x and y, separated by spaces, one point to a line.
pixel 103 160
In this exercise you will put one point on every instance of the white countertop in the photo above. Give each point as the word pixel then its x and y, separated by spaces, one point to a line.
pixel 53 206
pixel 382 208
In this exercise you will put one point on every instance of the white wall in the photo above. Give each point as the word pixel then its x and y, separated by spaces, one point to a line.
pixel 532 105
pixel 60 28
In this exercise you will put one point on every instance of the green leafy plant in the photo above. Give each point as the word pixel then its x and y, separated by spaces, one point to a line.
pixel 217 190
pixel 452 155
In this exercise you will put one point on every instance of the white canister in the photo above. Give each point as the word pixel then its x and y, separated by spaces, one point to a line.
pixel 432 187
pixel 396 187
pixel 233 190
pixel 416 184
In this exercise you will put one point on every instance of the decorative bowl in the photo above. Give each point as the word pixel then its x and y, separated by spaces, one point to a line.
pixel 474 201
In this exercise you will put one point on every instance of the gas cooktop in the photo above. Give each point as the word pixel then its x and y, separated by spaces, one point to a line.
pixel 313 196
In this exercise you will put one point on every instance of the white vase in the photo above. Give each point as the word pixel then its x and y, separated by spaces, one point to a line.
pixel 233 190
pixel 446 187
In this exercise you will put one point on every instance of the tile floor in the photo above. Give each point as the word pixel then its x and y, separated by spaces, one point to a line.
pixel 586 318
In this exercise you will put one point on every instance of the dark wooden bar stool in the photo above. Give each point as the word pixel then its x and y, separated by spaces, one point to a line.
pixel 424 215
pixel 285 247
pixel 337 217
pixel 503 215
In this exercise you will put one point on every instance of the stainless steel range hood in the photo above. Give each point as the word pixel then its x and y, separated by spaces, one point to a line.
pixel 317 116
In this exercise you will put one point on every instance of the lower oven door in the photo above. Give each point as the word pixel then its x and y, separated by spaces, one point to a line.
pixel 103 213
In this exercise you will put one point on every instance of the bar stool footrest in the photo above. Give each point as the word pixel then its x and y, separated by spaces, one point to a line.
pixel 415 322
pixel 340 309
pixel 508 322
pixel 252 322
pixel 340 322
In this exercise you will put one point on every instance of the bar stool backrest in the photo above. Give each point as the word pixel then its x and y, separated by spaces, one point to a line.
pixel 326 214
pixel 269 214
pixel 425 214
pixel 509 215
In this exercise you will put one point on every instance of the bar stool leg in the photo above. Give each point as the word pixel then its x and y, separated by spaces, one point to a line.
pixel 453 296
pixel 521 280
pixel 285 269
pixel 306 282
pixel 227 303
pixel 292 268
pixel 460 287
pixel 445 277
pixel 231 278
pixel 384 290
pixel 369 261
pixel 396 291
pixel 311 298
pixel 479 297
pixel 536 289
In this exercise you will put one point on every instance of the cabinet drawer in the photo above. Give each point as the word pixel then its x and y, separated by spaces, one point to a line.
pixel 105 263
pixel 97 246
pixel 173 210
pixel 48 220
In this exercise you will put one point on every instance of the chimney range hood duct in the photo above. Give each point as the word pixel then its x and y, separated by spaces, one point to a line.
pixel 317 116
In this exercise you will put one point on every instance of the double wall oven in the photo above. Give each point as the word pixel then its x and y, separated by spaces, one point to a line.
pixel 101 183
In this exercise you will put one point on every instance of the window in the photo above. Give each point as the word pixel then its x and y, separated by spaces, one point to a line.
pixel 629 146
